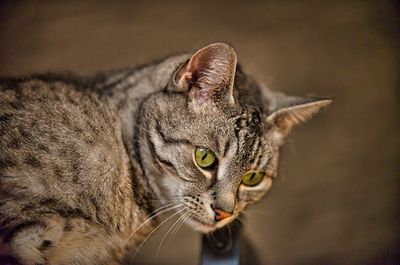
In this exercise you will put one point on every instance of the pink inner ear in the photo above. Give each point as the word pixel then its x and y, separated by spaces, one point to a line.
pixel 286 118
pixel 210 71
pixel 201 60
pixel 181 72
pixel 185 78
pixel 198 65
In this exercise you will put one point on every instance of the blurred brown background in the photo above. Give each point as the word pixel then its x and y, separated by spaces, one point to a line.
pixel 337 198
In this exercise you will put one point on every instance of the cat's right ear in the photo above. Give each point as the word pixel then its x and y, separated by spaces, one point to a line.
pixel 288 111
pixel 208 74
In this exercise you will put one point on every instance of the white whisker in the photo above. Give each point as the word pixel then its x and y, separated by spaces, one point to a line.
pixel 179 226
pixel 230 234
pixel 157 212
pixel 152 232
pixel 162 240
pixel 141 128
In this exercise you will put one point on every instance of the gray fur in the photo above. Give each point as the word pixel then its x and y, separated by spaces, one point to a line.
pixel 85 161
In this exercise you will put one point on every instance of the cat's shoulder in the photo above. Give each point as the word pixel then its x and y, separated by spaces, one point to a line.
pixel 52 118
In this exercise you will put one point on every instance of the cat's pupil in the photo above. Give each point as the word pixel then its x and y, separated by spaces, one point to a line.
pixel 204 157
pixel 252 176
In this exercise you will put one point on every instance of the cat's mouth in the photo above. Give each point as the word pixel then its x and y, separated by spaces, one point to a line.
pixel 205 227
pixel 200 225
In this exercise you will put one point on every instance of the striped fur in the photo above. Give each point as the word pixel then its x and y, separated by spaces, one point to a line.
pixel 84 161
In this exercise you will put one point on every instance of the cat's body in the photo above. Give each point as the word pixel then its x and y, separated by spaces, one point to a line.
pixel 56 134
pixel 85 161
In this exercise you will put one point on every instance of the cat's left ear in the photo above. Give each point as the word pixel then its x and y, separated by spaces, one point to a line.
pixel 209 74
pixel 292 111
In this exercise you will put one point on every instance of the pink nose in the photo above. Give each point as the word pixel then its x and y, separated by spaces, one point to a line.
pixel 221 215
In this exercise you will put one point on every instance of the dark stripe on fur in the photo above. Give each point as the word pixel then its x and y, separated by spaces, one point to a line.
pixel 9 260
pixel 97 210
pixel 107 88
pixel 53 206
pixel 143 199
pixel 46 244
pixel 256 150
pixel 8 234
pixel 157 156
pixel 227 146
pixel 237 135
pixel 168 140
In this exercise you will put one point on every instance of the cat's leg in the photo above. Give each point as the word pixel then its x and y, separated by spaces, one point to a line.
pixel 29 241
pixel 84 242
pixel 63 241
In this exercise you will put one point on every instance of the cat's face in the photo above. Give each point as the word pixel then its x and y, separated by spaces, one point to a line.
pixel 212 139
pixel 210 160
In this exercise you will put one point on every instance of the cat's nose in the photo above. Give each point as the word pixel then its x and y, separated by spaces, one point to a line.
pixel 221 215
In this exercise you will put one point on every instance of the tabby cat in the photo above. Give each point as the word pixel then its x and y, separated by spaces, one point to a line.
pixel 90 165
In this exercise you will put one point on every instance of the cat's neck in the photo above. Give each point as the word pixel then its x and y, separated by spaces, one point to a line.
pixel 125 91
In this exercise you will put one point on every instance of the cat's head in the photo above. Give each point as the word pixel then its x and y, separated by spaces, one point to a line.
pixel 210 140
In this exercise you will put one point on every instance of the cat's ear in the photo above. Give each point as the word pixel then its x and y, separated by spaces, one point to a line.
pixel 209 73
pixel 287 111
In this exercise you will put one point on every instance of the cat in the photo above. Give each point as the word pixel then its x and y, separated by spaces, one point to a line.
pixel 89 165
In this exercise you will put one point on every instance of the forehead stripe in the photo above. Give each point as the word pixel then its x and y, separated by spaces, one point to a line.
pixel 264 158
pixel 170 140
pixel 255 154
pixel 229 155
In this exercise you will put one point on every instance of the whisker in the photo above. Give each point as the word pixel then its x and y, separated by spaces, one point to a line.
pixel 211 237
pixel 162 207
pixel 172 199
pixel 166 201
pixel 178 227
pixel 230 234
pixel 151 233
pixel 141 128
pixel 162 240
pixel 153 215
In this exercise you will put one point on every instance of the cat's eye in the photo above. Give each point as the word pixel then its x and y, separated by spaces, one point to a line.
pixel 205 158
pixel 252 178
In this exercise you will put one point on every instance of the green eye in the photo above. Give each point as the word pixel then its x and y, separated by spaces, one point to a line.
pixel 252 178
pixel 204 157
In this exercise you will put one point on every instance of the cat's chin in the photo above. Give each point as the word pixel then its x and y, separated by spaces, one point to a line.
pixel 206 228
pixel 200 226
